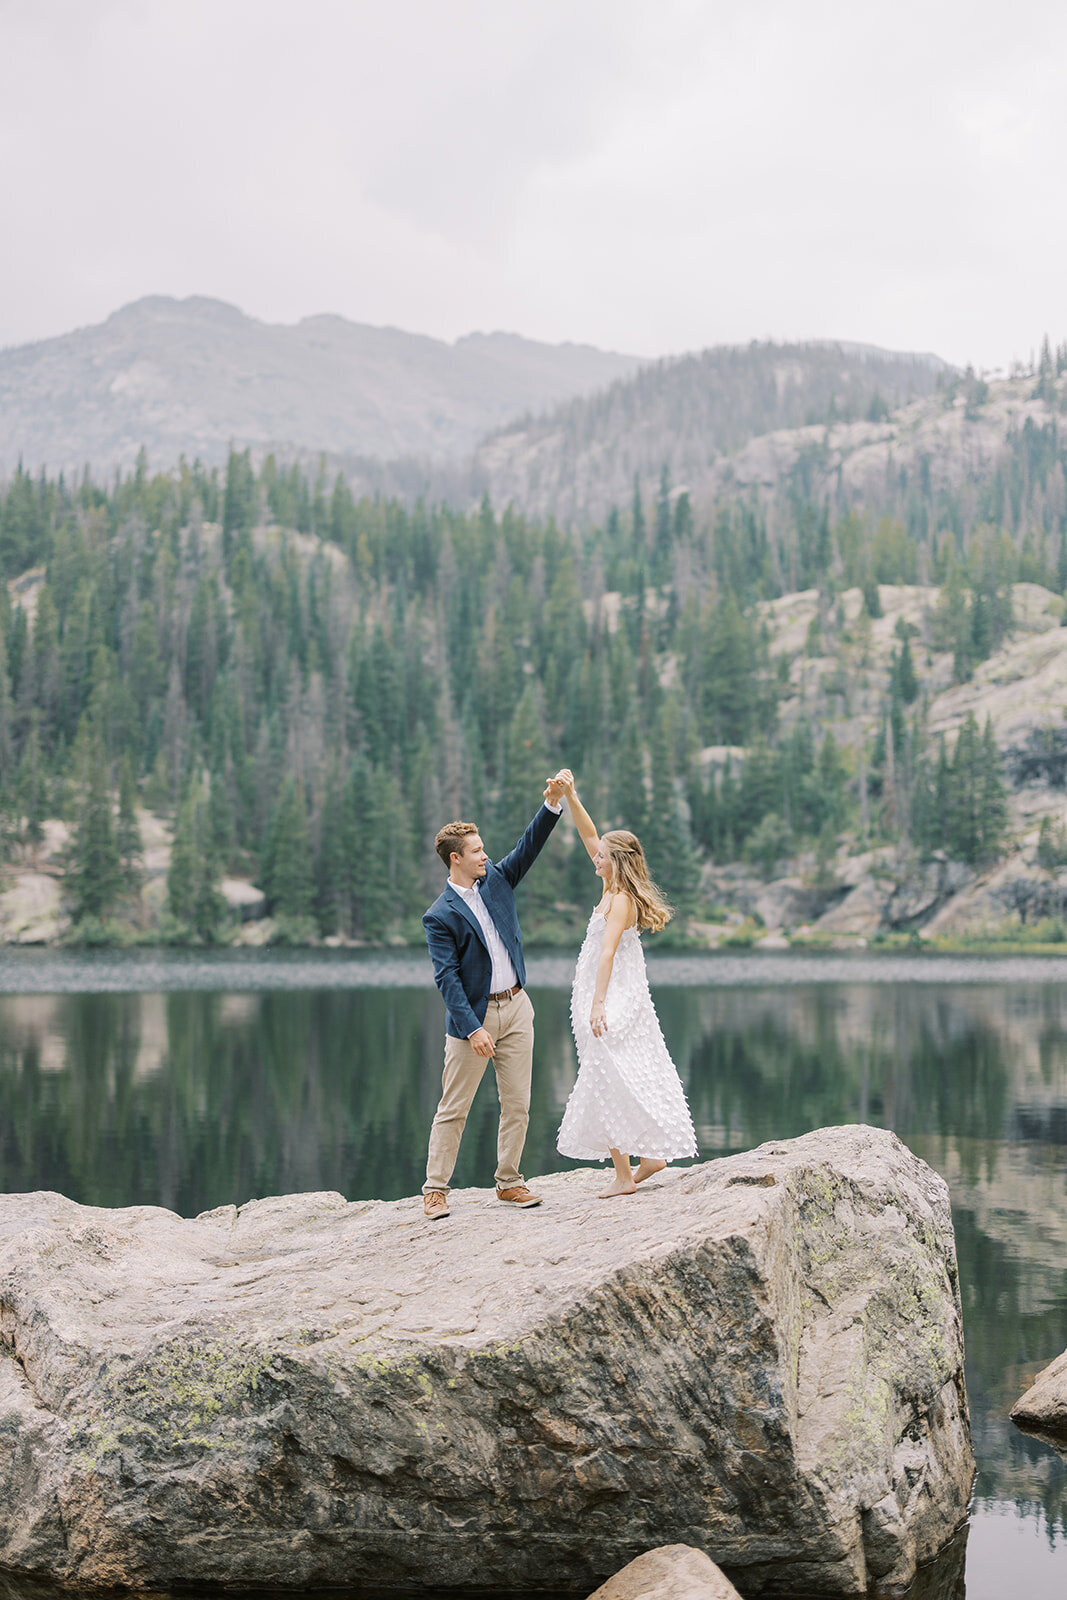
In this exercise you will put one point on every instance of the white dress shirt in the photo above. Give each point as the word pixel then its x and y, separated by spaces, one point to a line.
pixel 502 975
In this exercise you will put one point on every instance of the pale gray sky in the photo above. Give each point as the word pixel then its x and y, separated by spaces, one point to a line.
pixel 646 175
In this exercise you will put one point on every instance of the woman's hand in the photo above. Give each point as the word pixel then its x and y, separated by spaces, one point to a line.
pixel 597 1019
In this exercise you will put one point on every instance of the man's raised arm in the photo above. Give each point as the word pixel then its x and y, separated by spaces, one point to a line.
pixel 518 861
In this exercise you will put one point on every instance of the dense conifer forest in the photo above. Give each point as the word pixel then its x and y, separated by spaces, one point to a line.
pixel 307 684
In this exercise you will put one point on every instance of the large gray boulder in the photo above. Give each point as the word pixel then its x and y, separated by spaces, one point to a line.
pixel 760 1357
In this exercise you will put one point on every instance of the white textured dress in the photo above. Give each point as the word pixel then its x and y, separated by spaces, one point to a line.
pixel 628 1095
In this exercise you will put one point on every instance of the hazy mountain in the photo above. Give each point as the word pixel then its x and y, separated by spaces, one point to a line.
pixel 189 376
pixel 692 413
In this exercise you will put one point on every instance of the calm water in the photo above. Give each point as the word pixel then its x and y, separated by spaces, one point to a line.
pixel 191 1080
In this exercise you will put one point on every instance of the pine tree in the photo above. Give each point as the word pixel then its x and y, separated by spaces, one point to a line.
pixel 975 806
pixel 7 731
pixel 332 907
pixel 526 767
pixel 907 682
pixel 183 871
pixel 668 840
pixel 769 843
pixel 628 802
pixel 240 505
pixel 381 862
pixel 729 831
pixel 637 521
pixel 1051 844
pixel 222 823
pixel 288 855
pixel 128 837
pixel 761 784
pixel 683 518
pixel 993 807
pixel 32 790
pixel 96 870
pixel 664 528
pixel 193 898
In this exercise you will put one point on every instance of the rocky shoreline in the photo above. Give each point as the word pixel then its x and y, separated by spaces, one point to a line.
pixel 880 898
pixel 760 1357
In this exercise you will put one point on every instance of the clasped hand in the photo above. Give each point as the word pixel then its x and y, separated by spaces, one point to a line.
pixel 559 786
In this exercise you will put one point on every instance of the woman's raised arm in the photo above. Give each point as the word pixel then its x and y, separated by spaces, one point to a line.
pixel 587 831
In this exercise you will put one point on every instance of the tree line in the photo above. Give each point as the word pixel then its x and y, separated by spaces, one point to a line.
pixel 306 685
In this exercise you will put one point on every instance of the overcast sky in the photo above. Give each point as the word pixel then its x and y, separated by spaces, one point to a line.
pixel 646 175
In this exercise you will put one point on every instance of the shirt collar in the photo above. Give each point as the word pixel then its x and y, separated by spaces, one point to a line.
pixel 466 893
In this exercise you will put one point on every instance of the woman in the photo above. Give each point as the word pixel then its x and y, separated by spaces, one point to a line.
pixel 628 1098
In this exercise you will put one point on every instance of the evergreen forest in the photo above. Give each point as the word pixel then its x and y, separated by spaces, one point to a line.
pixel 306 685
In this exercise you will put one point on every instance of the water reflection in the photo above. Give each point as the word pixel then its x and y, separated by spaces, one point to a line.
pixel 195 1097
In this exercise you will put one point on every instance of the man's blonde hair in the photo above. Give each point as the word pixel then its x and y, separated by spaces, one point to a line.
pixel 451 839
pixel 629 873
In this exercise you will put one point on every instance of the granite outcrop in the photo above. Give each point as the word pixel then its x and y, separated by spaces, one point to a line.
pixel 760 1357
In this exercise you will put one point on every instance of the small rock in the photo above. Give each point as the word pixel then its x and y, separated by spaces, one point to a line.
pixel 673 1572
pixel 1043 1408
pixel 244 898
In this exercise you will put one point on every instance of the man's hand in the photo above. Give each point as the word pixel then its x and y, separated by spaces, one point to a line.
pixel 482 1043
pixel 560 785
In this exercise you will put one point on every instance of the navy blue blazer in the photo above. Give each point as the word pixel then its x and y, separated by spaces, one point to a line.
pixel 461 965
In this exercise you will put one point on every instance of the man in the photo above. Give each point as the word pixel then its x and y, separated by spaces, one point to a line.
pixel 472 931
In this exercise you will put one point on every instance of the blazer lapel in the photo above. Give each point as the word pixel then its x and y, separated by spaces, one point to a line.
pixel 458 901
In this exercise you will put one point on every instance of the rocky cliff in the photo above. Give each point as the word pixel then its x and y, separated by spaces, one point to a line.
pixel 760 1357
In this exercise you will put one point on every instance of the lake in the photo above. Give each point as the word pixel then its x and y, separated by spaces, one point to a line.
pixel 191 1079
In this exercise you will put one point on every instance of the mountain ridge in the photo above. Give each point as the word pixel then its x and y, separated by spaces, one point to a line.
pixel 191 376
pixel 693 415
pixel 407 413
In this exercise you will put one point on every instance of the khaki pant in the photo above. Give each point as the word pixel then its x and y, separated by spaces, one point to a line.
pixel 510 1023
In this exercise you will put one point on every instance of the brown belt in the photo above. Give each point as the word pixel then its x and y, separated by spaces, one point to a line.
pixel 506 994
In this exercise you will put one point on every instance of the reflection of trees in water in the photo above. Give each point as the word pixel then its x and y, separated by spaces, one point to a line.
pixel 1008 1338
pixel 297 1091
pixel 291 1090
pixel 768 1065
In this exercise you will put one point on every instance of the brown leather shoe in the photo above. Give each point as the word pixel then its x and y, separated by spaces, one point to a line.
pixel 435 1205
pixel 519 1196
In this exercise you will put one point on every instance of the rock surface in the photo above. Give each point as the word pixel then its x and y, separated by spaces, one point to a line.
pixel 249 902
pixel 31 910
pixel 759 1356
pixel 1043 1408
pixel 674 1572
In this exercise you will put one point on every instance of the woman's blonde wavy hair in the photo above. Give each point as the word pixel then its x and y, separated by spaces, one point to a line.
pixel 630 873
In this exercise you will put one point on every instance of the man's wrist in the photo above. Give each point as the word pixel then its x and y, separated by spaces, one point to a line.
pixel 555 806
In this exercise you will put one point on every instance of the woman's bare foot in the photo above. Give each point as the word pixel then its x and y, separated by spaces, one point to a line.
pixel 620 1186
pixel 646 1168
